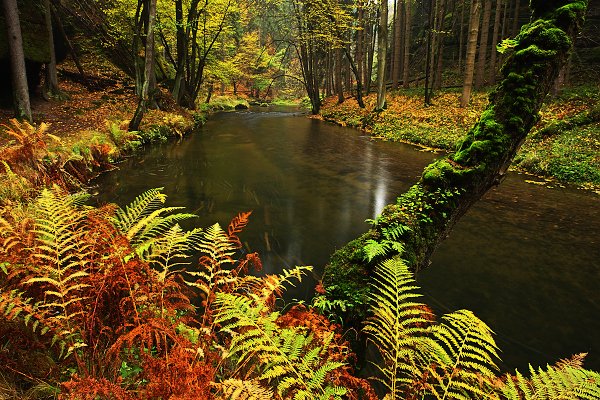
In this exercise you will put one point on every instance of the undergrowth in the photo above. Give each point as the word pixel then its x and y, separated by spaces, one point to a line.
pixel 122 303
pixel 564 145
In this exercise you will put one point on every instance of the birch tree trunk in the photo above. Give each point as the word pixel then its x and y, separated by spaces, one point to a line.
pixel 17 60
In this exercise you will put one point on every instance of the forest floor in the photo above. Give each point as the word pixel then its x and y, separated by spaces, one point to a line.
pixel 563 147
pixel 83 133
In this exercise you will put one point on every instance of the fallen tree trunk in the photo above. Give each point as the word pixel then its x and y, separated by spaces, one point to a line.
pixel 423 217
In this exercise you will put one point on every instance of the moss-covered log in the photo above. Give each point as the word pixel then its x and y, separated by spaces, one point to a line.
pixel 451 185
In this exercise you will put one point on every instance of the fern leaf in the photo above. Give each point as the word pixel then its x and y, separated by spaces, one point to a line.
pixel 374 249
pixel 257 339
pixel 463 362
pixel 235 389
pixel 143 205
pixel 566 380
pixel 398 326
pixel 237 224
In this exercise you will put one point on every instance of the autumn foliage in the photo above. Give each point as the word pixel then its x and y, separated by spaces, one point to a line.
pixel 102 318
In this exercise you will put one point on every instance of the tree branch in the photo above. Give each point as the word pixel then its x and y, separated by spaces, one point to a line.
pixel 450 186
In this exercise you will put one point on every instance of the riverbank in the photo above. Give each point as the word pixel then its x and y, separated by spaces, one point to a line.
pixel 86 133
pixel 564 147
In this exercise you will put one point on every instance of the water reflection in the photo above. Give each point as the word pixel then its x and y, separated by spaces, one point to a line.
pixel 525 259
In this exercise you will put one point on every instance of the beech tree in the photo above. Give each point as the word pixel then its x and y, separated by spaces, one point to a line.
pixel 149 60
pixel 423 217
pixel 17 60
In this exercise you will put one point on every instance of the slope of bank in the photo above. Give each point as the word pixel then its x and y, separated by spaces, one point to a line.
pixel 75 138
pixel 564 146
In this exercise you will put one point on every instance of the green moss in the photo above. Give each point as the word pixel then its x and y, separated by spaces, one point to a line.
pixel 346 278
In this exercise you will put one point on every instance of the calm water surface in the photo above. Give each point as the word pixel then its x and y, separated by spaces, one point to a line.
pixel 525 259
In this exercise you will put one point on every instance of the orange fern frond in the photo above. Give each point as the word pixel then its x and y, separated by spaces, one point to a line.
pixel 179 376
pixel 91 388
pixel 237 224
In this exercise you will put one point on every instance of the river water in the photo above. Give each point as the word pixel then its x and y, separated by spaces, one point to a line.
pixel 525 259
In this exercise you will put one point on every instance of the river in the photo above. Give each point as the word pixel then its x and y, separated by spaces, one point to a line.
pixel 525 259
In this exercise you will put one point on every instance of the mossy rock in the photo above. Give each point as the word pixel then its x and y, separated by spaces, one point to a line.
pixel 33 30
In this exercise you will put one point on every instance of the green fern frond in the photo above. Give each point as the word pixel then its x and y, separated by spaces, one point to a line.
pixel 62 250
pixel 274 285
pixel 170 250
pixel 566 380
pixel 218 253
pixel 150 227
pixel 236 389
pixel 462 363
pixel 399 324
pixel 216 245
pixel 394 232
pixel 286 358
pixel 373 249
pixel 142 206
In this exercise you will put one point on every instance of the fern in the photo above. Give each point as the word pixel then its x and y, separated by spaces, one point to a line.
pixel 284 357
pixel 565 381
pixel 450 360
pixel 62 252
pixel 218 253
pixel 170 250
pixel 461 365
pixel 398 326
pixel 235 389
pixel 387 245
pixel 145 220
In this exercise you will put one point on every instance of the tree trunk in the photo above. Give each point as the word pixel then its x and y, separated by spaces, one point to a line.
pixel 370 57
pixel 17 60
pixel 51 81
pixel 360 39
pixel 461 37
pixel 449 186
pixel 429 57
pixel 148 92
pixel 354 70
pixel 483 44
pixel 381 54
pixel 471 52
pixel 179 85
pixel 339 87
pixel 72 51
pixel 439 51
pixel 397 45
pixel 407 32
pixel 515 26
pixel 495 33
